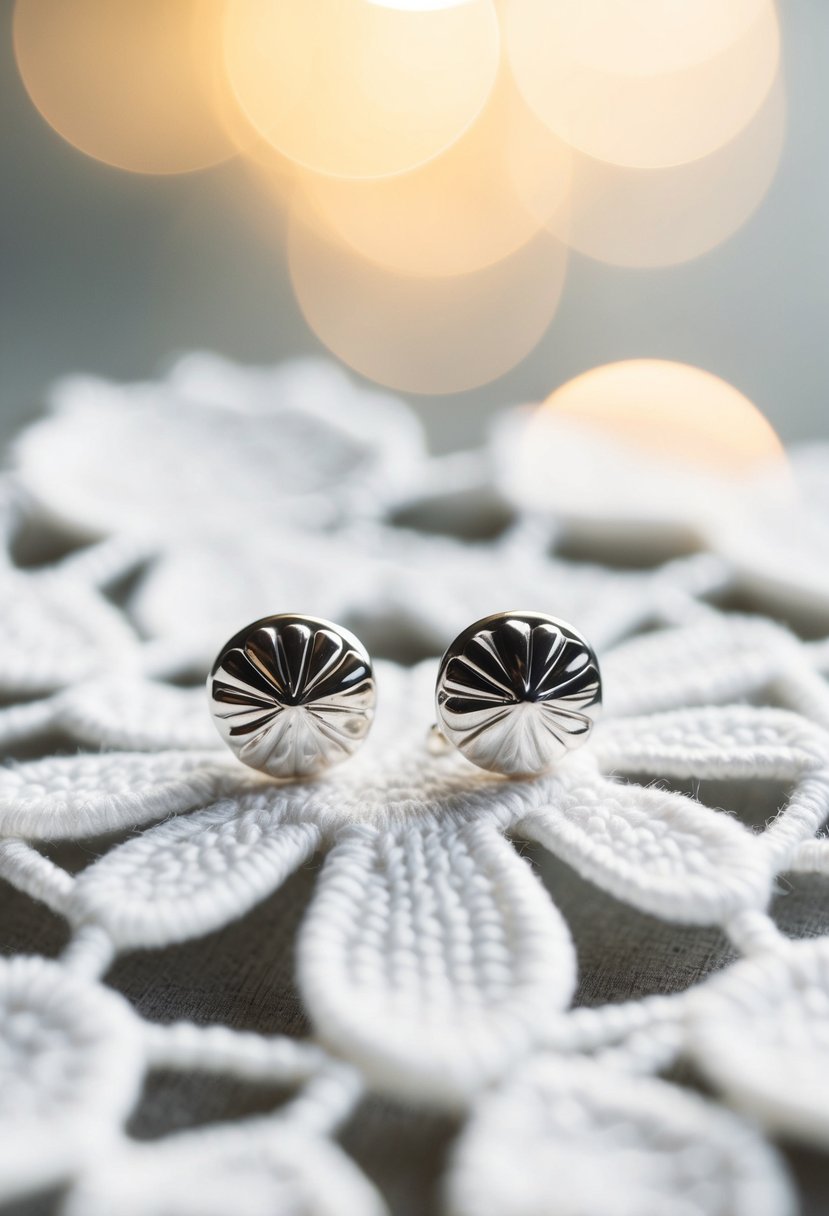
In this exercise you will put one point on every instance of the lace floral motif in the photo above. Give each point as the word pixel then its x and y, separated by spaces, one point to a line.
pixel 432 962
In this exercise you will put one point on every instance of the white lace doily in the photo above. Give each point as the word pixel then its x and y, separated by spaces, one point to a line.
pixel 432 963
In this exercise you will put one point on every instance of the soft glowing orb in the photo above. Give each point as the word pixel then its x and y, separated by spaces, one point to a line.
pixel 131 84
pixel 651 120
pixel 661 217
pixel 645 36
pixel 419 6
pixel 462 211
pixel 355 89
pixel 424 335
pixel 641 447
pixel 681 413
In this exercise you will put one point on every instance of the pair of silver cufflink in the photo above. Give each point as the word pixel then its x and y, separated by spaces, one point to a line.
pixel 515 691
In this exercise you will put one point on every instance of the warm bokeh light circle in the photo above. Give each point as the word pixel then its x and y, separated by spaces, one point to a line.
pixel 354 89
pixel 663 217
pixel 645 37
pixel 135 85
pixel 644 447
pixel 667 116
pixel 425 335
pixel 418 6
pixel 678 413
pixel 476 203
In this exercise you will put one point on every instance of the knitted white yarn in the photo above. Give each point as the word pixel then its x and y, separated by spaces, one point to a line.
pixel 432 962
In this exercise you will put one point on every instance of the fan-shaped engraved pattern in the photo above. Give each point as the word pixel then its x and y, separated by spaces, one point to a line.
pixel 513 692
pixel 292 695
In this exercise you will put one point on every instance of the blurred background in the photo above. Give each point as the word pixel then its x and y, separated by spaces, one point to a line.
pixel 686 219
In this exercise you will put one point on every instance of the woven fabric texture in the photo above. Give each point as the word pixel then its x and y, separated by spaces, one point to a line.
pixel 403 943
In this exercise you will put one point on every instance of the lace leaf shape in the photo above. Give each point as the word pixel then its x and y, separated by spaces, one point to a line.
pixel 712 661
pixel 323 446
pixel 728 742
pixel 660 851
pixel 564 1136
pixel 257 1167
pixel 71 1063
pixel 85 795
pixel 431 956
pixel 132 713
pixel 192 874
pixel 778 1072
pixel 196 594
pixel 56 631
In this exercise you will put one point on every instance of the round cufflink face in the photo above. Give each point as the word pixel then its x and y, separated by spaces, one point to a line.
pixel 291 695
pixel 517 691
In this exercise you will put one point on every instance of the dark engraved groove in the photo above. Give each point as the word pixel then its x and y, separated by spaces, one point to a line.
pixel 291 695
pixel 516 691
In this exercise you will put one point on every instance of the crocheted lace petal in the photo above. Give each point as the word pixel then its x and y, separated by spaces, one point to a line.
pixel 306 444
pixel 70 1056
pixel 712 661
pixel 773 553
pixel 192 874
pixel 566 1136
pixel 55 632
pixel 87 795
pixel 135 714
pixel 727 742
pixel 199 594
pixel 778 1072
pixel 663 852
pixel 431 956
pixel 254 1168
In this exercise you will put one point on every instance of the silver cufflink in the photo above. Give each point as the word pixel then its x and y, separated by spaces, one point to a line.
pixel 516 691
pixel 291 695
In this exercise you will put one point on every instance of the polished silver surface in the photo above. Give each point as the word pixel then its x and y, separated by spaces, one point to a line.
pixel 291 695
pixel 516 691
